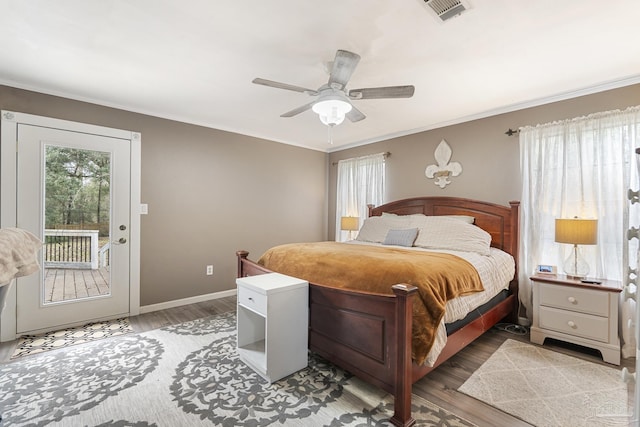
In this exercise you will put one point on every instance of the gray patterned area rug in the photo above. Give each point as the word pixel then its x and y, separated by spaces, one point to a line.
pixel 187 375
pixel 551 389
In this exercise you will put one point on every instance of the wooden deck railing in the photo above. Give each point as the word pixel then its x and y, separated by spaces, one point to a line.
pixel 71 249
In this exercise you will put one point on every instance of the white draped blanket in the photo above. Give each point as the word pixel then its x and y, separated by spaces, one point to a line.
pixel 18 249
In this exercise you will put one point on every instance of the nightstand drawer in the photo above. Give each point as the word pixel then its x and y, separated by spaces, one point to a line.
pixel 574 299
pixel 577 324
pixel 252 300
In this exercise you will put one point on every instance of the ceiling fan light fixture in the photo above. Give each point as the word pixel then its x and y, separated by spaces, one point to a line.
pixel 332 111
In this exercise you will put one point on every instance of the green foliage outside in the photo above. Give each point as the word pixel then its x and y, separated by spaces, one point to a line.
pixel 77 193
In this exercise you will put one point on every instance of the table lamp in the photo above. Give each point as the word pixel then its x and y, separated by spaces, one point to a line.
pixel 350 224
pixel 576 231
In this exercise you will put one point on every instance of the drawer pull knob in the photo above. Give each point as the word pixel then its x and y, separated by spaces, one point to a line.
pixel 571 324
pixel 572 300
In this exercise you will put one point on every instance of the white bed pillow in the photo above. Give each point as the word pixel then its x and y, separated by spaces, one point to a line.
pixel 375 228
pixel 438 232
pixel 466 218
pixel 393 215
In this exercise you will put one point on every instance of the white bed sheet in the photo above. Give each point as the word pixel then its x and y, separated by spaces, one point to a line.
pixel 495 270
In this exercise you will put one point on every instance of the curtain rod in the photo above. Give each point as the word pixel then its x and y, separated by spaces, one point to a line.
pixel 512 132
pixel 386 154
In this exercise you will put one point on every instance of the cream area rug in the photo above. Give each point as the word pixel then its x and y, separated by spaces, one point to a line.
pixel 32 344
pixel 187 375
pixel 546 388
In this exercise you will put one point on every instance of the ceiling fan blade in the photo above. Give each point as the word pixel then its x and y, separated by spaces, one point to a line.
pixel 382 92
pixel 343 66
pixel 285 86
pixel 298 110
pixel 355 115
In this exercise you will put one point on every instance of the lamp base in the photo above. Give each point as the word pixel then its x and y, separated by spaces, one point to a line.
pixel 575 266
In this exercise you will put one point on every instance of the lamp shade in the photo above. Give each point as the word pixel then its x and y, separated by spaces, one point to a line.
pixel 349 223
pixel 577 231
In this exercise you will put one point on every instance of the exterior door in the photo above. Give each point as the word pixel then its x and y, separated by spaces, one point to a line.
pixel 73 192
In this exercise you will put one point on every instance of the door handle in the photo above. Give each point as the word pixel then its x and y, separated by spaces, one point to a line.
pixel 121 241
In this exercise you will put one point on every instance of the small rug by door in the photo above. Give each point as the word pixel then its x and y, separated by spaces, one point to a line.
pixel 546 388
pixel 188 375
pixel 32 344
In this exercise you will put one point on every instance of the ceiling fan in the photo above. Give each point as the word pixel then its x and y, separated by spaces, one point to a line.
pixel 333 101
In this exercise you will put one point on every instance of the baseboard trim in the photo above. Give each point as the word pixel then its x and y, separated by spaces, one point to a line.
pixel 185 301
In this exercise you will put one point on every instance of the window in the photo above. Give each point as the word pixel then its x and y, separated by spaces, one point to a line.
pixel 580 167
pixel 360 182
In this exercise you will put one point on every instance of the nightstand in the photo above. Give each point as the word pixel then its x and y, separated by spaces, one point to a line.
pixel 580 313
pixel 272 324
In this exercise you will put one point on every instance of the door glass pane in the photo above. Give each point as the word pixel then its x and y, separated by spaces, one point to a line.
pixel 77 206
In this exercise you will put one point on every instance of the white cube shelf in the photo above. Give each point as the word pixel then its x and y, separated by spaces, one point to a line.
pixel 272 325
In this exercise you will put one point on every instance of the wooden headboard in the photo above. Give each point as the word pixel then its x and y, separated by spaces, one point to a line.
pixel 499 221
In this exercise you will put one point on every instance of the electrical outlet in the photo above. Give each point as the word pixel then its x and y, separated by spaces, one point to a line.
pixel 209 270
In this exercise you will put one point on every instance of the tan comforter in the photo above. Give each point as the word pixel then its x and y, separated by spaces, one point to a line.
pixel 439 277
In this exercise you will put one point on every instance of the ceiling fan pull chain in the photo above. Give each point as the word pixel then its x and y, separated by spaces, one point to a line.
pixel 330 134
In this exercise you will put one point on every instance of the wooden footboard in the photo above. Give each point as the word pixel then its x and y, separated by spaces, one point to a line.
pixel 370 334
pixel 366 334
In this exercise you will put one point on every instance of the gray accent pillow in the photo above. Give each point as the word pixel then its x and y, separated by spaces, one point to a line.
pixel 404 237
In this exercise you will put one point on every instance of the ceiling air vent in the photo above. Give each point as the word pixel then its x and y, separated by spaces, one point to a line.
pixel 446 9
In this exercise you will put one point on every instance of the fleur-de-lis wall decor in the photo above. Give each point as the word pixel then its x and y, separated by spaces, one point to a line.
pixel 444 169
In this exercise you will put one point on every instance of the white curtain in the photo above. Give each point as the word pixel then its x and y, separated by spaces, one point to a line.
pixel 580 167
pixel 360 182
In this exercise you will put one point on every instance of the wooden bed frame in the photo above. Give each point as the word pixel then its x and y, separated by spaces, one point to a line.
pixel 369 334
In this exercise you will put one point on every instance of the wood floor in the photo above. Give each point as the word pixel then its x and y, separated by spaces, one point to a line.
pixel 439 386
pixel 62 284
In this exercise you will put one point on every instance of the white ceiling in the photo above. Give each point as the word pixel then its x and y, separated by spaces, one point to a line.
pixel 194 61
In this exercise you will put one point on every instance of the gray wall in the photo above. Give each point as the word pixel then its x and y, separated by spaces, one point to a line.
pixel 489 158
pixel 210 193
